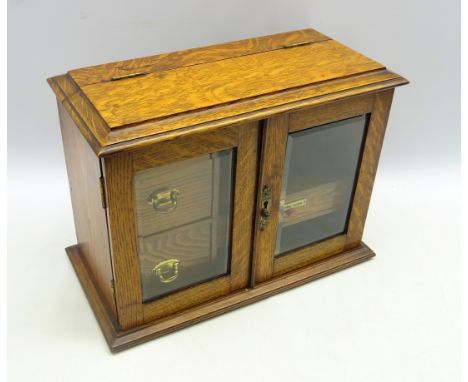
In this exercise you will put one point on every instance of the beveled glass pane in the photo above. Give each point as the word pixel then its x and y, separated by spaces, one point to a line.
pixel 183 212
pixel 318 183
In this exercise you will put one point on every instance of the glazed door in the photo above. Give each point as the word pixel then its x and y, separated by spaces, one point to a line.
pixel 318 167
pixel 181 221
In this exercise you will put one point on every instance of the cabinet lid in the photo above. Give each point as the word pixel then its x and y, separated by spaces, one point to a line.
pixel 130 103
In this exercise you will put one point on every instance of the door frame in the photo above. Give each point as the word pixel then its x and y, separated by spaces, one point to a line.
pixel 118 172
pixel 275 134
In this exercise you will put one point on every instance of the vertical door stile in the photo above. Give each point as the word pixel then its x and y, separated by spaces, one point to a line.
pixel 275 134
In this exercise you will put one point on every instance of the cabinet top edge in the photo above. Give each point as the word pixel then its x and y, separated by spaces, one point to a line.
pixel 191 57
pixel 189 90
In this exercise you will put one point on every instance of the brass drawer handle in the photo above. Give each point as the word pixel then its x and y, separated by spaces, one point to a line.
pixel 266 204
pixel 164 199
pixel 167 270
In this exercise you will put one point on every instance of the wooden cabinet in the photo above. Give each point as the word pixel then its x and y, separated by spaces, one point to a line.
pixel 207 179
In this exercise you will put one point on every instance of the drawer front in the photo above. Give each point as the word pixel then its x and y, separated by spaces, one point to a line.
pixel 178 258
pixel 189 244
pixel 172 195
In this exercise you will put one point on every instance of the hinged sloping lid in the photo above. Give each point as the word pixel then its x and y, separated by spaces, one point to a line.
pixel 161 94
pixel 171 86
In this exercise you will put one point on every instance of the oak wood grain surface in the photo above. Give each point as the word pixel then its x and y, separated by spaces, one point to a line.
pixel 194 56
pixel 242 221
pixel 84 172
pixel 192 180
pixel 190 244
pixel 161 94
pixel 207 88
pixel 265 264
pixel 118 173
pixel 275 135
pixel 122 339
pixel 119 169
pixel 154 123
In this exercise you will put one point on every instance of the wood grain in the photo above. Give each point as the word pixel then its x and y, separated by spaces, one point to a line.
pixel 118 172
pixel 106 320
pixel 270 87
pixel 190 244
pixel 244 203
pixel 84 172
pixel 195 56
pixel 192 178
pixel 275 135
pixel 104 141
pixel 92 130
pixel 321 115
pixel 194 146
pixel 140 136
pixel 244 186
pixel 368 168
pixel 160 129
pixel 120 340
pixel 267 265
pixel 192 88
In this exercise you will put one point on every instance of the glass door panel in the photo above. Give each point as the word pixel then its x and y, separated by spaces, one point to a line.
pixel 318 183
pixel 183 214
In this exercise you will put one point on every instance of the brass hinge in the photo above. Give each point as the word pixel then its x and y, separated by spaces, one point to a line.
pixel 297 44
pixel 103 192
pixel 124 76
pixel 112 285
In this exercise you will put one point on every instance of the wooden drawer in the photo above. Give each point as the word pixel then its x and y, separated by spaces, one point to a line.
pixel 188 246
pixel 189 180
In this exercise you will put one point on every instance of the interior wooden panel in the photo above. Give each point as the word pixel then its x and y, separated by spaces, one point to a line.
pixel 161 94
pixel 195 56
pixel 84 172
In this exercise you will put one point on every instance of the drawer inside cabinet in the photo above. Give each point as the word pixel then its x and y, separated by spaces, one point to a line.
pixel 311 203
pixel 178 258
pixel 174 194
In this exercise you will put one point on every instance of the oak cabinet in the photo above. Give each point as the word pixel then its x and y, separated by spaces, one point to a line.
pixel 207 179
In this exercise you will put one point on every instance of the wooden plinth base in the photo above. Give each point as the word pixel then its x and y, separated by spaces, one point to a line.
pixel 119 340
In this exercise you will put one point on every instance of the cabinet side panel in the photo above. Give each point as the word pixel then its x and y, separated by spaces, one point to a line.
pixel 84 172
pixel 368 170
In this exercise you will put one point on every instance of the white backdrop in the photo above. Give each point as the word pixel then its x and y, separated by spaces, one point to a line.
pixel 393 318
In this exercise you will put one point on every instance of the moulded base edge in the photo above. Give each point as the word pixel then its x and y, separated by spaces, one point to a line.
pixel 120 340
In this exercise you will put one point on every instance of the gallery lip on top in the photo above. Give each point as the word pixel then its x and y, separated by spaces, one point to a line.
pixel 206 179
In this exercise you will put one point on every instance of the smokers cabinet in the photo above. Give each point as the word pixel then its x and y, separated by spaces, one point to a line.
pixel 207 179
